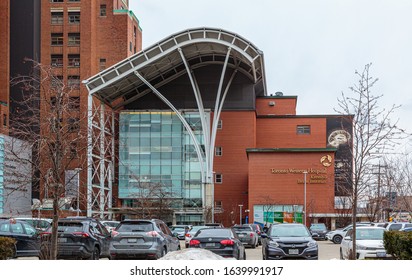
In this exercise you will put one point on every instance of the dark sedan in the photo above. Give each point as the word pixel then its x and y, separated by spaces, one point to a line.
pixel 289 241
pixel 26 236
pixel 319 231
pixel 221 241
pixel 142 239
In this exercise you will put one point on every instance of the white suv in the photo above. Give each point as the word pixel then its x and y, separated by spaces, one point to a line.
pixel 337 235
pixel 398 226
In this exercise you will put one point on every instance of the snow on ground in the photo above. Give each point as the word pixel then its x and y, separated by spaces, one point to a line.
pixel 192 254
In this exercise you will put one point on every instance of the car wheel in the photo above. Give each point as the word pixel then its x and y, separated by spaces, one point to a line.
pixel 337 239
pixel 96 254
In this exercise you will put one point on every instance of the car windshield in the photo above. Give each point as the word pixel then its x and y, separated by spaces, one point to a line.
pixel 318 227
pixel 178 229
pixel 135 227
pixel 213 233
pixel 369 234
pixel 289 231
pixel 195 229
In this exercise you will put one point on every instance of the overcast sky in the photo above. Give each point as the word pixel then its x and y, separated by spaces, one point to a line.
pixel 311 48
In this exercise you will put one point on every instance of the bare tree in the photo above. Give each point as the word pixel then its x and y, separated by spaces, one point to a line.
pixel 374 133
pixel 48 118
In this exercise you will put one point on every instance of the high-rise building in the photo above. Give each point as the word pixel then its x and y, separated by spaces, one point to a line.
pixel 77 38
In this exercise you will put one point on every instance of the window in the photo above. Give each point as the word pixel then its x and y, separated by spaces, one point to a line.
pixel 74 39
pixel 130 46
pixel 218 178
pixel 134 31
pixel 4 120
pixel 57 39
pixel 73 82
pixel 103 10
pixel 57 18
pixel 73 150
pixel 74 60
pixel 56 1
pixel 219 124
pixel 57 60
pixel 56 82
pixel 218 151
pixel 303 129
pixel 102 64
pixel 74 0
pixel 73 124
pixel 74 17
pixel 74 103
pixel 218 204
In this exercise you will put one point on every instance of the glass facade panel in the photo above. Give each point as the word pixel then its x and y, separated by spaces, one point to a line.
pixel 155 148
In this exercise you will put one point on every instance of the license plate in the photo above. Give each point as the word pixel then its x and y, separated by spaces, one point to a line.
pixel 132 240
pixel 210 244
pixel 62 240
pixel 381 254
pixel 241 235
pixel 293 251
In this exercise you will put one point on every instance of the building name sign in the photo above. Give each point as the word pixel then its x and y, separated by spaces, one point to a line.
pixel 316 176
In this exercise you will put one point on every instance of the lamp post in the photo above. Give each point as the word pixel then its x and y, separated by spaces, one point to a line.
pixel 240 205
pixel 78 191
pixel 304 197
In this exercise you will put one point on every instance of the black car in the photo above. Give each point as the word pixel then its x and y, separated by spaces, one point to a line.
pixel 78 238
pixel 318 231
pixel 142 239
pixel 26 236
pixel 289 241
pixel 221 241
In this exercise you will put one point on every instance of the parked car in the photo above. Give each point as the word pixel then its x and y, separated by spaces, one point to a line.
pixel 180 231
pixel 337 235
pixel 398 226
pixel 246 235
pixel 78 238
pixel 320 229
pixel 380 224
pixel 110 225
pixel 189 235
pixel 26 236
pixel 407 229
pixel 258 229
pixel 214 225
pixel 40 224
pixel 221 241
pixel 142 239
pixel 369 244
pixel 289 241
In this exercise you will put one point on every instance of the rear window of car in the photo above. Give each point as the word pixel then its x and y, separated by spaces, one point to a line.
pixel 213 233
pixel 69 227
pixel 243 228
pixel 135 227
pixel 318 226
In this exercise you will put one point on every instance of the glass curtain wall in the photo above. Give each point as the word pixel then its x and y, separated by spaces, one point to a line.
pixel 156 152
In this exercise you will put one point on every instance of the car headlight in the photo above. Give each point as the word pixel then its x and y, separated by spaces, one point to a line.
pixel 273 243
pixel 360 247
pixel 312 244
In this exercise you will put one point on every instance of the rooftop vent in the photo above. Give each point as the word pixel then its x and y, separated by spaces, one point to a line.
pixel 279 93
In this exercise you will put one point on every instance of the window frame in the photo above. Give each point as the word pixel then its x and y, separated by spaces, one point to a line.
pixel 218 178
pixel 303 129
pixel 74 17
pixel 57 18
pixel 56 39
pixel 73 39
pixel 218 151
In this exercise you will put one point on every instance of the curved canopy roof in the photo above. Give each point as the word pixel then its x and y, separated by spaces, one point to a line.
pixel 162 63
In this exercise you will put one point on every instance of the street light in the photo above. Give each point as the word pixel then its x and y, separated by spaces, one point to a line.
pixel 78 191
pixel 240 205
pixel 304 197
